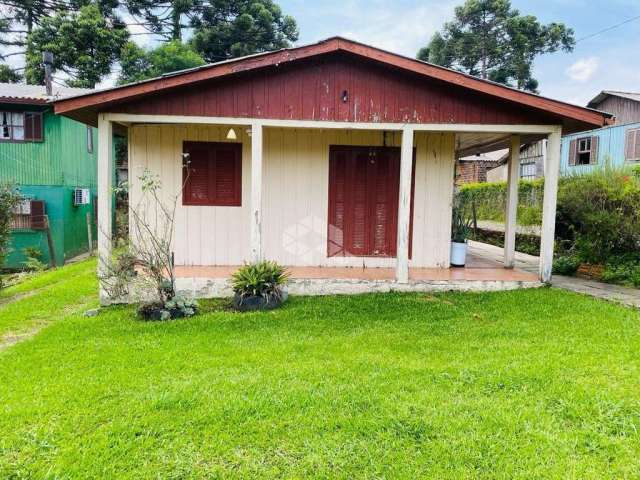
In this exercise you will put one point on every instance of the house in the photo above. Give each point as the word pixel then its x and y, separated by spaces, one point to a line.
pixel 616 145
pixel 532 160
pixel 52 159
pixel 474 168
pixel 625 106
pixel 341 169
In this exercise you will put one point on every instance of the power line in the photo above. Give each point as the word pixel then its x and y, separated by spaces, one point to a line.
pixel 629 20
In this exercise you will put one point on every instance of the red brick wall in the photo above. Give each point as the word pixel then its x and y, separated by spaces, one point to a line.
pixel 473 171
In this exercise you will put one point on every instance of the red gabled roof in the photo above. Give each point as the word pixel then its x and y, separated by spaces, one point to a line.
pixel 94 101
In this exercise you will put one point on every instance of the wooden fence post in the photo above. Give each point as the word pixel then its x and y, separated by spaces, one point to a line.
pixel 89 233
pixel 52 250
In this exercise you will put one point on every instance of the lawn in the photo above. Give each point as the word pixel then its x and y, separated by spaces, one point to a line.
pixel 526 384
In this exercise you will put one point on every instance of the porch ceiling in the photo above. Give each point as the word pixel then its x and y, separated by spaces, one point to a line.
pixel 477 143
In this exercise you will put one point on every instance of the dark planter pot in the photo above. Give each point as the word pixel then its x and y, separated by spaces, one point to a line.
pixel 256 302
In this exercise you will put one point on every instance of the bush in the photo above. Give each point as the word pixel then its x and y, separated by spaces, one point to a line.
pixel 177 307
pixel 566 265
pixel 529 244
pixel 264 279
pixel 489 200
pixel 9 198
pixel 33 260
pixel 626 273
pixel 600 213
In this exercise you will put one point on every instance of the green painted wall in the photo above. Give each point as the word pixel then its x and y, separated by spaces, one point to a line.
pixel 68 227
pixel 60 159
pixel 49 171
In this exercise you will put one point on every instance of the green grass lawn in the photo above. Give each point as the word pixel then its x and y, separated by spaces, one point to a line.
pixel 526 384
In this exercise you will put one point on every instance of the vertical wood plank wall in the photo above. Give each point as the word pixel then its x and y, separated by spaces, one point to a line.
pixel 295 195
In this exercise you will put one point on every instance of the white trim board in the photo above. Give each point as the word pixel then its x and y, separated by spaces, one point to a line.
pixel 418 127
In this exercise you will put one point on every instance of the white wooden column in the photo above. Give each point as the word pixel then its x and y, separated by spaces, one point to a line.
pixel 105 198
pixel 551 171
pixel 513 177
pixel 256 192
pixel 404 206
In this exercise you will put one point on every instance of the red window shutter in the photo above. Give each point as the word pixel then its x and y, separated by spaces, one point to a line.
pixel 226 166
pixel 593 158
pixel 213 174
pixel 573 152
pixel 38 130
pixel 33 126
pixel 337 175
pixel 357 203
pixel 632 145
pixel 37 215
pixel 387 176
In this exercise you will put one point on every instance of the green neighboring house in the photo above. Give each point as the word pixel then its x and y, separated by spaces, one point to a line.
pixel 52 160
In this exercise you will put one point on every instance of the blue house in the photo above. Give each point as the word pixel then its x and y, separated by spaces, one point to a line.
pixel 615 145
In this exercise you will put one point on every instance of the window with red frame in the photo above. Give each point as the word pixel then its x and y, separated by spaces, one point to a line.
pixel 20 126
pixel 212 174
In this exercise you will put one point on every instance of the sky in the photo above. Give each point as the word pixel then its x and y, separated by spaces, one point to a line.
pixel 610 61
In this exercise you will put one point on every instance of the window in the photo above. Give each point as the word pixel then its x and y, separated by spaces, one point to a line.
pixel 632 145
pixel 29 214
pixel 89 139
pixel 583 151
pixel 20 126
pixel 212 174
pixel 528 170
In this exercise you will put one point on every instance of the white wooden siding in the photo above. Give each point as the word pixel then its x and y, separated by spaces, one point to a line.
pixel 295 195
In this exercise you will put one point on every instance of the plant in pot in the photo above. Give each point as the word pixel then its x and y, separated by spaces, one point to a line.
pixel 259 286
pixel 460 231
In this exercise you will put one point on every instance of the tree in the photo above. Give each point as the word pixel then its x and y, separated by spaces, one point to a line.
pixel 9 198
pixel 139 64
pixel 232 28
pixel 85 45
pixel 221 28
pixel 165 18
pixel 491 40
pixel 8 75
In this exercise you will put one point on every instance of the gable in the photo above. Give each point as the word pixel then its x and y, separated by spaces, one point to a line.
pixel 334 89
pixel 334 80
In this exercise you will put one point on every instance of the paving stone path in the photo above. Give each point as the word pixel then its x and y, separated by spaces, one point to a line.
pixel 529 263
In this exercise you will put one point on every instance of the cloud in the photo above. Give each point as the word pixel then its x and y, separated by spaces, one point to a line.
pixel 401 27
pixel 583 69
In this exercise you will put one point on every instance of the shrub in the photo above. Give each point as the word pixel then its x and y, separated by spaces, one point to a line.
pixel 566 265
pixel 33 260
pixel 625 273
pixel 9 198
pixel 600 212
pixel 488 200
pixel 529 244
pixel 264 279
pixel 177 307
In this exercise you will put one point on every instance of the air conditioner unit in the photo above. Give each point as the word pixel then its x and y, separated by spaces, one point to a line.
pixel 81 196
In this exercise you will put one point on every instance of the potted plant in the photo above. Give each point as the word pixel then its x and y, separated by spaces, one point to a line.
pixel 460 230
pixel 259 286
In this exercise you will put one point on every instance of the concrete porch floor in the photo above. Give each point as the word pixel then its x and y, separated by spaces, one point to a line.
pixel 478 268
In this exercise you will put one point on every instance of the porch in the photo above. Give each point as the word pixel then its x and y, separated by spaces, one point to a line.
pixel 482 272
pixel 284 209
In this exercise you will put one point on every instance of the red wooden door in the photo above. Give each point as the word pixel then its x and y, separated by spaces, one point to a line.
pixel 363 201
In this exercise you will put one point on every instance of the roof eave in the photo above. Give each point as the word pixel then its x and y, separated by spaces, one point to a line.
pixel 23 101
pixel 334 44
